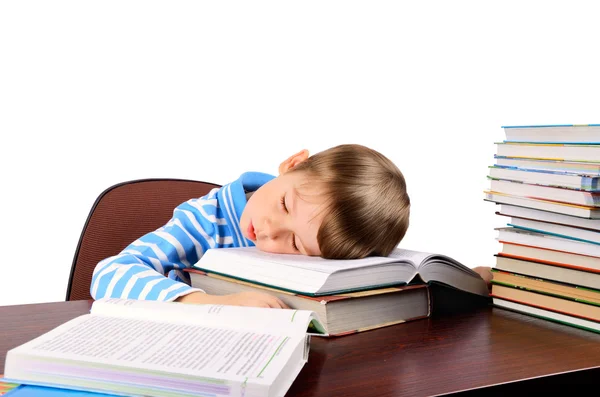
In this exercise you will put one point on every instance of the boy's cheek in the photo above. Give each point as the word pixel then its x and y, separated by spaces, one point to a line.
pixel 273 247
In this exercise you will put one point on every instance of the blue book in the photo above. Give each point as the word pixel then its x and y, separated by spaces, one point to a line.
pixel 551 233
pixel 40 391
pixel 567 167
pixel 584 134
pixel 546 178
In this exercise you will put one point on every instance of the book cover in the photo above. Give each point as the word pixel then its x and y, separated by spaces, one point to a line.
pixel 590 169
pixel 15 390
pixel 554 133
pixel 545 240
pixel 550 218
pixel 547 302
pixel 546 262
pixel 552 233
pixel 551 193
pixel 560 179
pixel 550 256
pixel 6 387
pixel 557 207
pixel 587 153
pixel 549 125
pixel 546 287
pixel 564 274
pixel 543 314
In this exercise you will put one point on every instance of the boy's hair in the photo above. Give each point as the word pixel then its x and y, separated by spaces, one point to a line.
pixel 367 206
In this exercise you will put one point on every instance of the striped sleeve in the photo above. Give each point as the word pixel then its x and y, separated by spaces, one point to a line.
pixel 140 271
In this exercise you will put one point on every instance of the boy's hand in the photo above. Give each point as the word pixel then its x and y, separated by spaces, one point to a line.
pixel 485 273
pixel 257 299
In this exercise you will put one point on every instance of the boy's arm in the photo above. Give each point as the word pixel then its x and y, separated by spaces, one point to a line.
pixel 138 272
pixel 257 299
pixel 486 274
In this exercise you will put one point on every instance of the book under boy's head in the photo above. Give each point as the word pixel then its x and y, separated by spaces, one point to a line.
pixel 315 276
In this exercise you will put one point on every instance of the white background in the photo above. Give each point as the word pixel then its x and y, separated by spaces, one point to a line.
pixel 96 93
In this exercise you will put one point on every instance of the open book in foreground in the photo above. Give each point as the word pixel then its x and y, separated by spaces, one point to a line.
pixel 315 276
pixel 169 349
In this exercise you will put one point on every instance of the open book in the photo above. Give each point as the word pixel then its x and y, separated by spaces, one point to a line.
pixel 169 349
pixel 315 276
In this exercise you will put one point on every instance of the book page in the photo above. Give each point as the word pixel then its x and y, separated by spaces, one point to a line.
pixel 177 348
pixel 215 257
pixel 445 270
pixel 422 259
pixel 249 318
pixel 415 257
pixel 298 273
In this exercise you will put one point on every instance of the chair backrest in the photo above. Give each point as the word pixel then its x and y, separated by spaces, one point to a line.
pixel 120 215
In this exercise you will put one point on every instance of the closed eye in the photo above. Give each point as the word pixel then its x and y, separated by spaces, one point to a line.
pixel 285 208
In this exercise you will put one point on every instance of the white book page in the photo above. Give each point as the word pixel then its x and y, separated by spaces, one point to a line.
pixel 216 259
pixel 417 258
pixel 284 321
pixel 293 272
pixel 176 348
pixel 424 258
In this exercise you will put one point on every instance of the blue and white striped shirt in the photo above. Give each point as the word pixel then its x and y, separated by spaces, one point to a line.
pixel 212 221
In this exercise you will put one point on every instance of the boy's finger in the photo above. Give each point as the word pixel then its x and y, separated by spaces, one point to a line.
pixel 281 304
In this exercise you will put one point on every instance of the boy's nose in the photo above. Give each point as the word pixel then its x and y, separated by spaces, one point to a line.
pixel 271 230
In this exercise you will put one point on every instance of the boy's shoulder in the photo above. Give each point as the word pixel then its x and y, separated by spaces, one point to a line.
pixel 251 181
pixel 247 182
pixel 233 193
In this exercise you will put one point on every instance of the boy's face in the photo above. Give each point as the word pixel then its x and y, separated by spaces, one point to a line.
pixel 278 220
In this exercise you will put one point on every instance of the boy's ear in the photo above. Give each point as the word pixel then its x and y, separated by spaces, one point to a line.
pixel 293 161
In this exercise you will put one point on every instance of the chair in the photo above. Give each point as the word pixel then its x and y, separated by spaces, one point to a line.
pixel 120 215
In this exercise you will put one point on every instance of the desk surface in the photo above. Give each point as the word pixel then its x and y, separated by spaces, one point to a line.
pixel 433 356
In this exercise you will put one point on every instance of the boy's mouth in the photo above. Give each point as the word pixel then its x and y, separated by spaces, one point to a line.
pixel 251 233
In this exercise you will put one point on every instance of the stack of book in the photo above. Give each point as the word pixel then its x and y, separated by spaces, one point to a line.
pixel 546 183
pixel 349 296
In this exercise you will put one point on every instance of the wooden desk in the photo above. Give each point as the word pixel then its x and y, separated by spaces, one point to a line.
pixel 434 356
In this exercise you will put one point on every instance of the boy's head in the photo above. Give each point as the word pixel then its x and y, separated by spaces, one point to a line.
pixel 343 203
